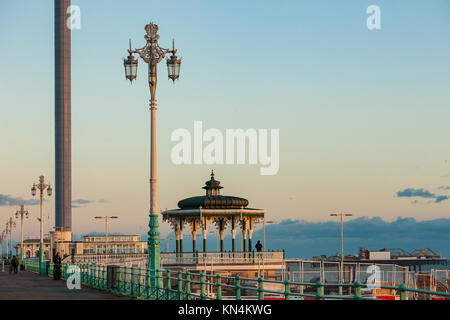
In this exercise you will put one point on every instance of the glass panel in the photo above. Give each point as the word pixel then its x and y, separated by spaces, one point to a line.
pixel 134 70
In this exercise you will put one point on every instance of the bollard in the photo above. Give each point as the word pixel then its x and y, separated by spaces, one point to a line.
pixel 319 291
pixel 357 289
pixel 260 289
pixel 238 287
pixel 287 289
pixel 202 286
pixel 218 287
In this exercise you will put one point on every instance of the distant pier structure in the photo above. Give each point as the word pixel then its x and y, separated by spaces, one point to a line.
pixel 63 156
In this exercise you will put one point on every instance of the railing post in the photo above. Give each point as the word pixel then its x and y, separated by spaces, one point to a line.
pixel 238 287
pixel 168 285
pixel 202 286
pixel 287 289
pixel 89 274
pixel 104 284
pixel 260 289
pixel 124 287
pixel 357 290
pixel 188 285
pixel 402 292
pixel 218 287
pixel 132 281
pixel 147 283
pixel 319 291
pixel 179 286
pixel 119 279
pixel 139 283
pixel 97 275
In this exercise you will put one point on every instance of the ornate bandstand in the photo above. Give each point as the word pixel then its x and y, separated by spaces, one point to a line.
pixel 213 210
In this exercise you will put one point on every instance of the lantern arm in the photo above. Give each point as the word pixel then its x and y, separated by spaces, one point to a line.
pixel 142 52
pixel 162 53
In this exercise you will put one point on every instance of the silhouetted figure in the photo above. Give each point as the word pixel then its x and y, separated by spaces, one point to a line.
pixel 57 267
pixel 14 264
pixel 258 246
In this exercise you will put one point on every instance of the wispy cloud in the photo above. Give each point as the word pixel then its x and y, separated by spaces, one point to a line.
pixel 7 200
pixel 446 188
pixel 421 193
pixel 81 203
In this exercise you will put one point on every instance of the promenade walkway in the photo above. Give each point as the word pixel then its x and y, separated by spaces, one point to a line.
pixel 30 286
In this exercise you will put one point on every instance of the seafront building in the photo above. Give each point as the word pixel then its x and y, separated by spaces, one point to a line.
pixel 90 245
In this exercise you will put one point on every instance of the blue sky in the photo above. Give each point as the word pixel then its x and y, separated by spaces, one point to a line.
pixel 362 114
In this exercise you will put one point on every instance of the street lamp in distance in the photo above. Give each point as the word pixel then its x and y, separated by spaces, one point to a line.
pixel 341 215
pixel 106 230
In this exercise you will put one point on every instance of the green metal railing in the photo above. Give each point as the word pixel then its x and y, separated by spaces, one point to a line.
pixel 184 285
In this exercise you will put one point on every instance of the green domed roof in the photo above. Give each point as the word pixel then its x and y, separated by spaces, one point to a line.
pixel 213 199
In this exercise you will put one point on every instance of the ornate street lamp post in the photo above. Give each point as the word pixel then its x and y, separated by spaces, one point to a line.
pixel 41 186
pixel 21 213
pixel 152 54
pixel 10 225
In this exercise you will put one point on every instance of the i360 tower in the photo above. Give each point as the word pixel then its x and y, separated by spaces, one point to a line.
pixel 63 161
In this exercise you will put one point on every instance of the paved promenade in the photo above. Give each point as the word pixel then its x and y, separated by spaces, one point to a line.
pixel 30 286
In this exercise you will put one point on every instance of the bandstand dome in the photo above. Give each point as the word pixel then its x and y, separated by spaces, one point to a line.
pixel 213 199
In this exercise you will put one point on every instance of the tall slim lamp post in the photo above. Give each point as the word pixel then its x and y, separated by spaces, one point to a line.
pixel 264 232
pixel 152 54
pixel 2 237
pixel 21 213
pixel 10 225
pixel 41 186
pixel 341 215
pixel 106 232
pixel 7 242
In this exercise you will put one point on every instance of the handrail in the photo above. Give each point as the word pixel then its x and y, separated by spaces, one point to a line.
pixel 184 285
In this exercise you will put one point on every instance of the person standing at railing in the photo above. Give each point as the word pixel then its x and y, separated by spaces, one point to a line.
pixel 258 246
pixel 57 267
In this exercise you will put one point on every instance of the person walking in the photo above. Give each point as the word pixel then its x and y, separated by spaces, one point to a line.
pixel 14 264
pixel 57 267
